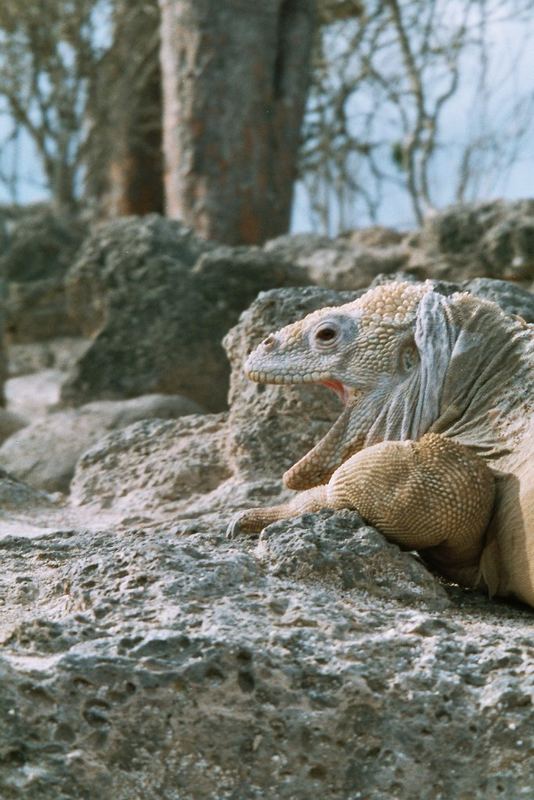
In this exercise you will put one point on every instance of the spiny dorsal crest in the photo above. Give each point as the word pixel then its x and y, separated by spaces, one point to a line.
pixel 390 304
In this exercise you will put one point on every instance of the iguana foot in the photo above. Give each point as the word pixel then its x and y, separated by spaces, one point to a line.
pixel 256 519
pixel 244 523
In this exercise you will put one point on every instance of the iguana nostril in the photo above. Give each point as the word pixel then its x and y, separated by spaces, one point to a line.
pixel 269 342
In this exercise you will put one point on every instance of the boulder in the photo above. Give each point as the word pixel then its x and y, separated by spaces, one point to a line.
pixel 349 262
pixel 493 239
pixel 124 255
pixel 158 301
pixel 38 246
pixel 142 663
pixel 37 310
pixel 473 240
pixel 510 297
pixel 16 495
pixel 154 465
pixel 35 394
pixel 38 243
pixel 338 549
pixel 59 353
pixel 10 423
pixel 45 453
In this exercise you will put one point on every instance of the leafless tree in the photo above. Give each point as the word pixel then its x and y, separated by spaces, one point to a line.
pixel 47 55
pixel 81 78
pixel 124 159
pixel 377 117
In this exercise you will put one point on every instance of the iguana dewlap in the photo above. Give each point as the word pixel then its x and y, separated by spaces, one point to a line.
pixel 435 443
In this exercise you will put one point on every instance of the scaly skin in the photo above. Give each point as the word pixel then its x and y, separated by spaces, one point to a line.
pixel 434 446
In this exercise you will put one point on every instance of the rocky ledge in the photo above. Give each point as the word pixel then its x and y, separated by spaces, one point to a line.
pixel 144 655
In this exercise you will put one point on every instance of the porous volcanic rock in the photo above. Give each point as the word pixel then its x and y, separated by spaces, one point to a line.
pixel 161 465
pixel 493 239
pixel 37 310
pixel 473 240
pixel 38 243
pixel 15 494
pixel 145 663
pixel 510 297
pixel 58 353
pixel 145 655
pixel 38 246
pixel 45 453
pixel 158 302
pixel 336 548
pixel 349 262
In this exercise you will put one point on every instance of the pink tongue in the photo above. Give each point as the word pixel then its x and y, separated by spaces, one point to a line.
pixel 337 387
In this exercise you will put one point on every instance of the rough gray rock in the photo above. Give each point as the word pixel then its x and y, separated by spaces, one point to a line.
pixel 34 395
pixel 494 240
pixel 59 353
pixel 38 246
pixel 15 494
pixel 45 453
pixel 146 664
pixel 158 302
pixel 37 310
pixel 347 263
pixel 339 549
pixel 10 423
pixel 154 464
pixel 119 256
pixel 510 297
pixel 462 242
pixel 37 243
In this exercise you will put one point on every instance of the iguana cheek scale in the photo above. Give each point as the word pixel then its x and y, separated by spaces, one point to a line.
pixel 435 441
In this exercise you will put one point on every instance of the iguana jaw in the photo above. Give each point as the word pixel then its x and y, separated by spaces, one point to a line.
pixel 344 392
pixel 259 376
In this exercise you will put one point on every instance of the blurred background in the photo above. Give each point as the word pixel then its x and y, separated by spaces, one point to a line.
pixel 248 119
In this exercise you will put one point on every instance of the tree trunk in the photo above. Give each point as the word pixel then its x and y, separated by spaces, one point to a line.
pixel 126 158
pixel 235 78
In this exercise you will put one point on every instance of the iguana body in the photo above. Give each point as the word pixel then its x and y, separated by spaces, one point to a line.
pixel 435 444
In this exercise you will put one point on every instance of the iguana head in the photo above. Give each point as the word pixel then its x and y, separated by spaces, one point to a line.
pixel 402 358
pixel 350 348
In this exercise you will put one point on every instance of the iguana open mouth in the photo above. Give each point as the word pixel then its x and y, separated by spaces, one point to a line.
pixel 345 393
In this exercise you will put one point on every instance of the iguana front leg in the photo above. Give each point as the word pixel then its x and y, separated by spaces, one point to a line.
pixel 256 519
pixel 432 495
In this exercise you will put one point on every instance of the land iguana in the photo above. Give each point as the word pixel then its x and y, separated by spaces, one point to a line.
pixel 435 444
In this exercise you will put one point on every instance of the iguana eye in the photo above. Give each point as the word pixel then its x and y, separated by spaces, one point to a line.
pixel 326 334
